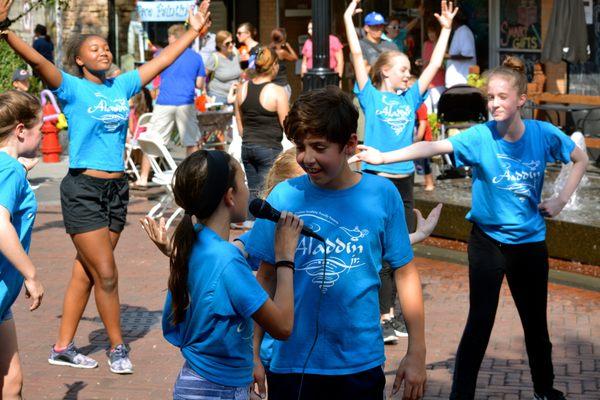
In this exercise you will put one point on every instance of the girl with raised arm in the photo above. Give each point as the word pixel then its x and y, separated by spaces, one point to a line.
pixel 508 157
pixel 390 108
pixel 95 192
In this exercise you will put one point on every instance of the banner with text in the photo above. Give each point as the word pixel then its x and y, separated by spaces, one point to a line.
pixel 150 11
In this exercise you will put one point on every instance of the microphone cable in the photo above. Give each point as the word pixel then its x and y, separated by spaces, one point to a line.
pixel 312 347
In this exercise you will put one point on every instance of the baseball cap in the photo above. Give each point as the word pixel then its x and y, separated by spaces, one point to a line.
pixel 20 75
pixel 374 18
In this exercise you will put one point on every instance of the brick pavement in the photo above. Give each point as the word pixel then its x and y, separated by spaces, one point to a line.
pixel 574 316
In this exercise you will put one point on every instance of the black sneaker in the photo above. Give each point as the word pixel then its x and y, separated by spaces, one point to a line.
pixel 389 336
pixel 552 394
pixel 399 327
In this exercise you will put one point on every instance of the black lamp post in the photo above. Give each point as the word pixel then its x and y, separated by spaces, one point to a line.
pixel 320 75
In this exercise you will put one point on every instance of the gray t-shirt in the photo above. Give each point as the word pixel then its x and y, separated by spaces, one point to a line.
pixel 372 51
pixel 226 71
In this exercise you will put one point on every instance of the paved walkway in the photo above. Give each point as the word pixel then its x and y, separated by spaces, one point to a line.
pixel 574 325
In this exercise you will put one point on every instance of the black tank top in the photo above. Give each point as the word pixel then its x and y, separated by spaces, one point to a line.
pixel 261 126
pixel 281 78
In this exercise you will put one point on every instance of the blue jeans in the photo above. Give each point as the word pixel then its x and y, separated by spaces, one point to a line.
pixel 257 160
pixel 190 385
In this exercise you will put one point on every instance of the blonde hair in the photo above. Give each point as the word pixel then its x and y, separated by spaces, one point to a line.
pixel 176 30
pixel 18 107
pixel 221 37
pixel 266 59
pixel 285 167
pixel 513 69
pixel 385 60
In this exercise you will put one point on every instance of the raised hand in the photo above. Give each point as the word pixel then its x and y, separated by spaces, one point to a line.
pixel 447 15
pixel 368 154
pixel 426 226
pixel 4 9
pixel 198 19
pixel 157 233
pixel 352 10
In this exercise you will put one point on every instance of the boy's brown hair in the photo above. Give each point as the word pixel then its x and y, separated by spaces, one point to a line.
pixel 326 112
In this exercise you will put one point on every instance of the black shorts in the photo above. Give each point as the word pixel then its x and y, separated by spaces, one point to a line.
pixel 90 203
pixel 365 385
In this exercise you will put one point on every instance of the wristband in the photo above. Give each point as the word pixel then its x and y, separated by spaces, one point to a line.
pixel 5 24
pixel 285 264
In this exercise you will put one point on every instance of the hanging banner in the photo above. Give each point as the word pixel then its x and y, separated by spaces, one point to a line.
pixel 152 11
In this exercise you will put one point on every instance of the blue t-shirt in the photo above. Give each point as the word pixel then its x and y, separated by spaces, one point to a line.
pixel 17 197
pixel 508 177
pixel 178 81
pixel 389 123
pixel 216 336
pixel 363 225
pixel 98 115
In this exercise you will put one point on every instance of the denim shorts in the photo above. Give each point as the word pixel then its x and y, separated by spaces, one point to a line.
pixel 190 385
pixel 6 316
pixel 90 203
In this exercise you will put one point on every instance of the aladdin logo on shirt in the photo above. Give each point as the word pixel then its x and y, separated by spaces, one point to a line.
pixel 343 253
pixel 394 114
pixel 518 177
pixel 111 112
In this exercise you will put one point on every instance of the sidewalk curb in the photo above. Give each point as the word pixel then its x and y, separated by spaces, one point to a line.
pixel 458 257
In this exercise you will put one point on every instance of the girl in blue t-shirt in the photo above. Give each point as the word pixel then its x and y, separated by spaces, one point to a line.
pixel 508 158
pixel 389 124
pixel 20 135
pixel 95 192
pixel 213 296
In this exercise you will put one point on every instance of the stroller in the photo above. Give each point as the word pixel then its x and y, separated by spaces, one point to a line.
pixel 459 108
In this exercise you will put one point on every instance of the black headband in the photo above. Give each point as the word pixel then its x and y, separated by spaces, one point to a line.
pixel 216 184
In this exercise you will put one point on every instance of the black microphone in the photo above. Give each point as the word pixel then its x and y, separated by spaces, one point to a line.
pixel 261 209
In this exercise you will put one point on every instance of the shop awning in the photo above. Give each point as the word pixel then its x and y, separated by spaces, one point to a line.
pixel 566 38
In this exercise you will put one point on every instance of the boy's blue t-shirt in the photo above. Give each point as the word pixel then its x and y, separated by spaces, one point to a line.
pixel 389 123
pixel 216 336
pixel 508 177
pixel 17 197
pixel 98 115
pixel 178 81
pixel 363 224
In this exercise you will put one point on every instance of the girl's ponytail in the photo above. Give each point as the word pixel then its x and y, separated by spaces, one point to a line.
pixel 199 184
pixel 182 244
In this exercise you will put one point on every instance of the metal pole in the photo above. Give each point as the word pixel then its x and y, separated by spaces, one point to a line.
pixel 320 75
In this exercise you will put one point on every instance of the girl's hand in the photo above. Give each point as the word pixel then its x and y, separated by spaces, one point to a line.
pixel 286 236
pixel 199 18
pixel 34 290
pixel 551 207
pixel 352 10
pixel 4 9
pixel 157 233
pixel 426 226
pixel 29 163
pixel 368 154
pixel 448 14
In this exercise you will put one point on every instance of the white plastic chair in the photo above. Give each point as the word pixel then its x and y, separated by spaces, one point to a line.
pixel 153 147
pixel 130 167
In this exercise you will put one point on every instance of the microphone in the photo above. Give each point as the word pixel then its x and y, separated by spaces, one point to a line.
pixel 262 209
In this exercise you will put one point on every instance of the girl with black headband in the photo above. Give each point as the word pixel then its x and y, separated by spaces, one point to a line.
pixel 212 293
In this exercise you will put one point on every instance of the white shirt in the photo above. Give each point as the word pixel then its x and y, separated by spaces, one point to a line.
pixel 463 43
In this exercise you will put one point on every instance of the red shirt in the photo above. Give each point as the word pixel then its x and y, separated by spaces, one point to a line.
pixel 422 116
pixel 439 77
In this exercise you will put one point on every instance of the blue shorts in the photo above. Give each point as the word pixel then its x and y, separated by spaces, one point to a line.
pixel 6 316
pixel 190 385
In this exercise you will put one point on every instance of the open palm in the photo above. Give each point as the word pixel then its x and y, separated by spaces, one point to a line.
pixel 199 18
pixel 447 15
pixel 4 9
